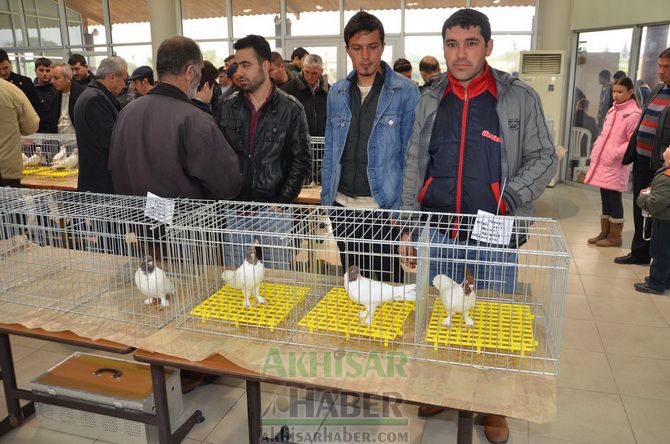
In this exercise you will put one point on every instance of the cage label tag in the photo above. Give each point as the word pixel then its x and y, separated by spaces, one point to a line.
pixel 492 229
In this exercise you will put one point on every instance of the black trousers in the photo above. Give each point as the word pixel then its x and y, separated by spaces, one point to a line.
pixel 659 271
pixel 611 203
pixel 16 183
pixel 365 241
pixel 642 176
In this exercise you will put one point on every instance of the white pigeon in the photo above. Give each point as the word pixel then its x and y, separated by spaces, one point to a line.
pixel 25 158
pixel 248 277
pixel 62 154
pixel 372 294
pixel 36 159
pixel 69 162
pixel 456 298
pixel 152 282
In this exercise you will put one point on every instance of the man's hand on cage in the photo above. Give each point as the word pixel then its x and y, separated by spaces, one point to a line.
pixel 407 252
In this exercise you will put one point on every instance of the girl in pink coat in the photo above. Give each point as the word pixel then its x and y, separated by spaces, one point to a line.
pixel 606 170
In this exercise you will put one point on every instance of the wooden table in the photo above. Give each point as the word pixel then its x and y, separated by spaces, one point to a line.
pixel 17 414
pixel 219 365
pixel 66 183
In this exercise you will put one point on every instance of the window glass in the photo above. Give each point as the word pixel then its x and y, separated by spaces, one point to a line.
pixel 130 24
pixel 204 21
pixel 92 18
pixel 654 40
pixel 135 55
pixel 506 48
pixel 421 17
pixel 6 30
pixel 50 32
pixel 388 11
pixel 75 33
pixel 315 21
pixel 260 18
pixel 598 51
pixel 46 8
pixel 509 18
pixel 418 47
pixel 33 34
pixel 214 52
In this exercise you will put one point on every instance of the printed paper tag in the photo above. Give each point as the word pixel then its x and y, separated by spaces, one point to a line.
pixel 492 229
pixel 159 208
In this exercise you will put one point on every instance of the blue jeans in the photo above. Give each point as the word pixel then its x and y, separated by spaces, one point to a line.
pixel 659 270
pixel 272 230
pixel 492 269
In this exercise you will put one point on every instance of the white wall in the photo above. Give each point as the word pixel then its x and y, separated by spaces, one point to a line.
pixel 592 14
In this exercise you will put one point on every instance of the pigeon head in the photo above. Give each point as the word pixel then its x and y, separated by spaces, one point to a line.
pixel 353 273
pixel 468 284
pixel 251 256
pixel 147 264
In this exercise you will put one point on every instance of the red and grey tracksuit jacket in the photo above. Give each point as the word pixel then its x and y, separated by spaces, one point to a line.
pixel 464 172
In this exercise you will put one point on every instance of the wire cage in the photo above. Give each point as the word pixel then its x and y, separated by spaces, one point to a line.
pixel 84 253
pixel 409 278
pixel 50 155
pixel 317 146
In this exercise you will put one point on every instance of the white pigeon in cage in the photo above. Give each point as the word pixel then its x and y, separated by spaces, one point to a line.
pixel 456 298
pixel 69 162
pixel 372 294
pixel 60 156
pixel 25 158
pixel 152 282
pixel 248 277
pixel 36 159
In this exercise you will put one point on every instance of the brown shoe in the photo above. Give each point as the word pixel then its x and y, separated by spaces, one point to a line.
pixel 426 411
pixel 604 229
pixel 495 429
pixel 613 238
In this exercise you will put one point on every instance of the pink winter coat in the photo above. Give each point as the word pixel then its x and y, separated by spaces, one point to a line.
pixel 606 170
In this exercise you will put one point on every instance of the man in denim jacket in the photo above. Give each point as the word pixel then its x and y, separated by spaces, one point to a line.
pixel 369 122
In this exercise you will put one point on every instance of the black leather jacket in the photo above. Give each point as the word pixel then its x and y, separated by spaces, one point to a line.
pixel 273 171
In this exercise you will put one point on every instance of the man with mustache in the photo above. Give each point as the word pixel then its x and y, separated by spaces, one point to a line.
pixel 479 142
pixel 165 145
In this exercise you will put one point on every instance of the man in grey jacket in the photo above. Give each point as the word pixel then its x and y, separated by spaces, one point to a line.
pixel 479 142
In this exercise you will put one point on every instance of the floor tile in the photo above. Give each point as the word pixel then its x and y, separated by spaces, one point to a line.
pixel 577 307
pixel 649 419
pixel 642 377
pixel 612 287
pixel 624 311
pixel 26 342
pixel 34 365
pixel 635 340
pixel 604 268
pixel 575 285
pixel 214 401
pixel 30 432
pixel 663 306
pixel 585 370
pixel 587 416
pixel 581 334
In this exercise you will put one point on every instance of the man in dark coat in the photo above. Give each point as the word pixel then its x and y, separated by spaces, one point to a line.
pixel 311 90
pixel 95 113
pixel 22 82
pixel 44 88
pixel 164 144
pixel 266 127
pixel 60 117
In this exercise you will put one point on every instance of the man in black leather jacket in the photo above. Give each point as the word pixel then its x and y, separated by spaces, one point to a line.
pixel 266 127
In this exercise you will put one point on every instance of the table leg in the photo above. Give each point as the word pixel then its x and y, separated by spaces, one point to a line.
pixel 9 381
pixel 161 401
pixel 466 423
pixel 254 411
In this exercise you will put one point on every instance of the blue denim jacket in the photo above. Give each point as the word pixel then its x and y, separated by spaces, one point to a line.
pixel 388 141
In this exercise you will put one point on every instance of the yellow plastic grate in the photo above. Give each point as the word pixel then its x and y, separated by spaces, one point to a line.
pixel 338 313
pixel 48 172
pixel 227 305
pixel 498 325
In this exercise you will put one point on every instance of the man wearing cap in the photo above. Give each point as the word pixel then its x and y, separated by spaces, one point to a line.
pixel 142 80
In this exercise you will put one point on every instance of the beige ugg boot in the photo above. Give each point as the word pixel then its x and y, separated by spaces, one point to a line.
pixel 613 238
pixel 604 229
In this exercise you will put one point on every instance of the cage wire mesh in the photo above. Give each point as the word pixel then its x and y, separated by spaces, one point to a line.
pixel 410 277
pixel 50 155
pixel 81 253
pixel 316 147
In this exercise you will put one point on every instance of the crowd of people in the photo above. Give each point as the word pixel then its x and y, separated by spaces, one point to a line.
pixel 473 138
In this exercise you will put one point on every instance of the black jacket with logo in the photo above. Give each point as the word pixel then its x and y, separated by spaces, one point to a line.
pixel 274 169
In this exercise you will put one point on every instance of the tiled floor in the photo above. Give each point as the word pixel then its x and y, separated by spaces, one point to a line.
pixel 614 383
